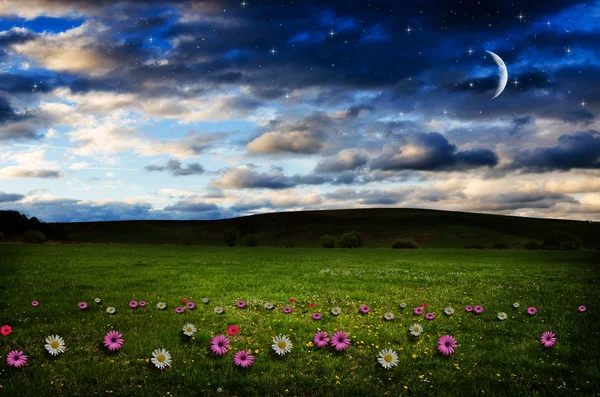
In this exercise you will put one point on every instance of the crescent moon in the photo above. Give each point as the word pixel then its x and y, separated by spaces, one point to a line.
pixel 502 73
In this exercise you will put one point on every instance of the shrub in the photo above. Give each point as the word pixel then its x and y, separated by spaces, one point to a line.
pixel 534 245
pixel 501 246
pixel 474 246
pixel 408 244
pixel 230 236
pixel 562 240
pixel 349 240
pixel 34 237
pixel 328 241
pixel 251 240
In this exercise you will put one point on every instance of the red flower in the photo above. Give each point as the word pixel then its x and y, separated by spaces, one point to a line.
pixel 5 330
pixel 311 305
pixel 424 304
pixel 184 300
pixel 232 330
pixel 292 300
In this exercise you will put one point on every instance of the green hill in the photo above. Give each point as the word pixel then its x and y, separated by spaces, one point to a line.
pixel 378 227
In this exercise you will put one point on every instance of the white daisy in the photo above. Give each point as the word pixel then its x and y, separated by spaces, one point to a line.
pixel 205 300
pixel 516 304
pixel 269 305
pixel 189 329
pixel 388 316
pixel 449 311
pixel 111 310
pixel 161 305
pixel 98 300
pixel 161 358
pixel 55 344
pixel 388 358
pixel 416 329
pixel 402 305
pixel 336 311
pixel 281 345
pixel 502 316
pixel 218 310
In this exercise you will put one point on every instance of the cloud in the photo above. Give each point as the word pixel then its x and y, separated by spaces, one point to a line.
pixel 245 177
pixel 174 168
pixel 187 206
pixel 588 185
pixel 15 172
pixel 10 197
pixel 345 160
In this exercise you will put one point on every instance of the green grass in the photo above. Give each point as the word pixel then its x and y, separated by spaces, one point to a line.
pixel 60 276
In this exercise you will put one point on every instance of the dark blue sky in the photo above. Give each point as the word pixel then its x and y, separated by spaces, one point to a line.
pixel 206 109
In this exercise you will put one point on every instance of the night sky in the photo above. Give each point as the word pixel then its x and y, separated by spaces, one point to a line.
pixel 147 109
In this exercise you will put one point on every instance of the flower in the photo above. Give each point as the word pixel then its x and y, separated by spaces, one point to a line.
pixel 16 359
pixel 364 309
pixel 190 305
pixel 143 303
pixel 184 300
pixel 113 340
pixel 389 316
pixel 446 345
pixel 219 345
pixel 311 305
pixel 189 329
pixel 320 339
pixel 34 304
pixel 582 308
pixel 161 358
pixel 416 329
pixel 97 300
pixel 317 316
pixel 218 310
pixel 243 358
pixel 336 311
pixel 5 330
pixel 292 300
pixel 205 301
pixel 133 304
pixel 161 305
pixel 55 344
pixel 241 304
pixel 418 311
pixel 425 304
pixel 449 311
pixel 340 341
pixel 282 344
pixel 179 310
pixel 516 305
pixel 111 310
pixel 430 316
pixel 468 308
pixel 388 358
pixel 402 305
pixel 83 305
pixel 548 339
pixel 233 330
pixel 531 310
pixel 269 305
pixel 478 309
pixel 502 316
pixel 287 310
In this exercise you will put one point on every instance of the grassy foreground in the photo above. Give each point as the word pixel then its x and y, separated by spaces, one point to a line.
pixel 493 357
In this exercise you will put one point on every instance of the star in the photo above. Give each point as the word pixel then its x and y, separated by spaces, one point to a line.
pixel 243 4
pixel 520 16
pixel 408 29
pixel 568 50
pixel 470 51
pixel 331 33
pixel 582 103
pixel 273 51
pixel 516 82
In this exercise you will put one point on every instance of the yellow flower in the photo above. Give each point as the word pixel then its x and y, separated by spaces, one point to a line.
pixel 414 356
pixel 406 387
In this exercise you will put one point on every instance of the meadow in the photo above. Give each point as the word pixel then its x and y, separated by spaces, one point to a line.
pixel 493 357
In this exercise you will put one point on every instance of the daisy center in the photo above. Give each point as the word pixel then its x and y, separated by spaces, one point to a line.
pixel 54 344
pixel 161 358
pixel 189 329
pixel 282 344
pixel 388 358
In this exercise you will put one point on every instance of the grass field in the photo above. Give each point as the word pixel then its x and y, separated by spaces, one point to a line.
pixel 493 357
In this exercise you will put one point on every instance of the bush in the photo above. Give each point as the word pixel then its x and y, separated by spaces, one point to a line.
pixel 534 245
pixel 501 246
pixel 328 241
pixel 251 240
pixel 230 236
pixel 34 237
pixel 349 240
pixel 408 244
pixel 474 246
pixel 563 240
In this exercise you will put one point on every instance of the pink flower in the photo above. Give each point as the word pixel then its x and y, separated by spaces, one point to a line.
pixel 184 300
pixel 418 311
pixel 531 310
pixel 241 304
pixel 5 330
pixel 133 304
pixel 446 345
pixel 430 316
pixel 292 300
pixel 317 316
pixel 478 309
pixel 425 304
pixel 16 359
pixel 311 305
pixel 113 340
pixel 35 304
pixel 233 330
pixel 364 309
pixel 143 303
pixel 582 308
pixel 287 310
pixel 190 305
pixel 179 310
pixel 548 339
pixel 321 339
pixel 83 305
pixel 340 341
pixel 243 358
pixel 468 308
pixel 219 345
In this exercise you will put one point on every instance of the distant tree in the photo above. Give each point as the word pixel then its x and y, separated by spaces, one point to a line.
pixel 231 236
pixel 34 236
pixel 2 238
pixel 474 246
pixel 251 240
pixel 328 241
pixel 534 245
pixel 405 244
pixel 562 240
pixel 349 240
pixel 501 246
